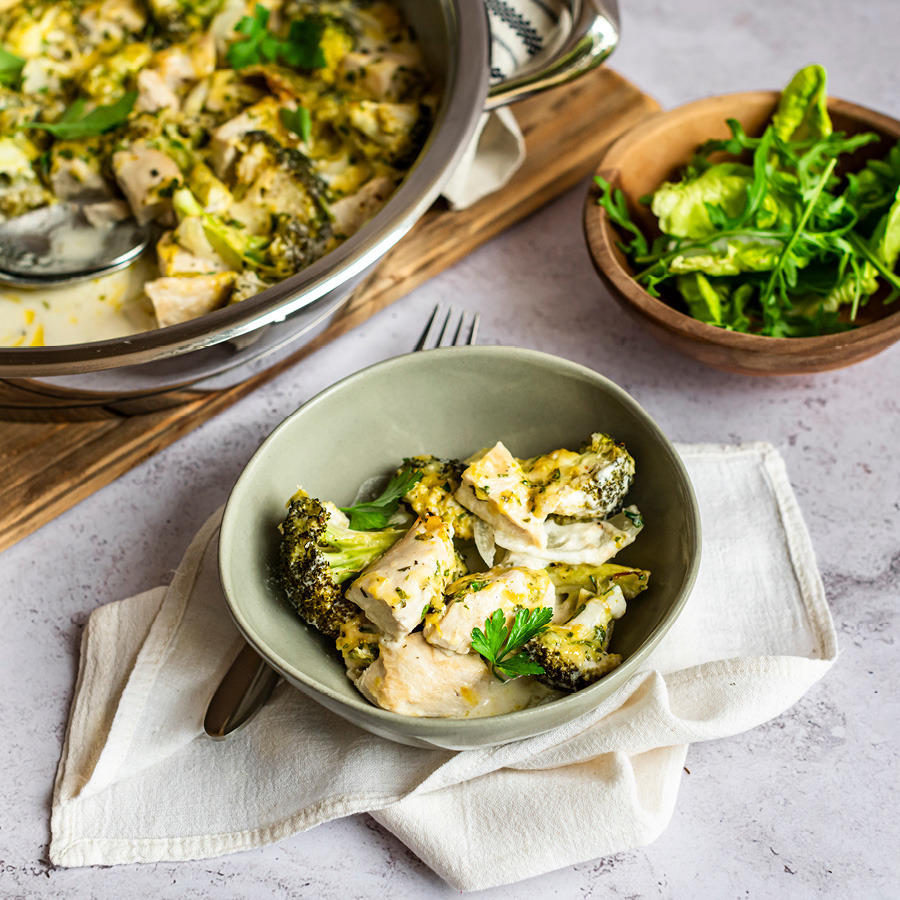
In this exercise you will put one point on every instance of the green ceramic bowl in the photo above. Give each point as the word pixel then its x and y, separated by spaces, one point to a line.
pixel 450 402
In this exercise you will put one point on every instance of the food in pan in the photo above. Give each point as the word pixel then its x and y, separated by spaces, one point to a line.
pixel 475 588
pixel 773 235
pixel 255 136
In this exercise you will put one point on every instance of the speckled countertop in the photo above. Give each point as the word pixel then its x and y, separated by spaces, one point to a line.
pixel 803 807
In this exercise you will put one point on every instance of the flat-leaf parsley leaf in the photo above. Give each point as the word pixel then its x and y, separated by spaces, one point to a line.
pixel 501 646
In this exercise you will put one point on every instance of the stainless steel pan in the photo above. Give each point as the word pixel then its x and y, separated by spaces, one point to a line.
pixel 168 365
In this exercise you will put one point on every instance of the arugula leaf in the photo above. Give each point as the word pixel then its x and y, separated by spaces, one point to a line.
pixel 75 123
pixel 376 513
pixel 10 68
pixel 301 50
pixel 297 120
pixel 501 646
pixel 613 201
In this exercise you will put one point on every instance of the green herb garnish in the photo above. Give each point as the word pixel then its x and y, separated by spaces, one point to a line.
pixel 635 518
pixel 297 120
pixel 74 123
pixel 501 646
pixel 301 50
pixel 772 241
pixel 376 513
pixel 10 68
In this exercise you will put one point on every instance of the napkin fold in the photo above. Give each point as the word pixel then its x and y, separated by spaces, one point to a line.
pixel 139 782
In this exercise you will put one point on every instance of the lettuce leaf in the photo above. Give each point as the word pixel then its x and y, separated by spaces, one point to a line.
pixel 802 110
pixel 681 207
pixel 735 257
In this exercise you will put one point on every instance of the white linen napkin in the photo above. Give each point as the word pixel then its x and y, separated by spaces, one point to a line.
pixel 139 782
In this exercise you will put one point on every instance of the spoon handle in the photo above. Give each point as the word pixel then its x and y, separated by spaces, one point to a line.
pixel 240 695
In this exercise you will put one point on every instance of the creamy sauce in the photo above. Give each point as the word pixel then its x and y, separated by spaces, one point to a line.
pixel 510 696
pixel 93 310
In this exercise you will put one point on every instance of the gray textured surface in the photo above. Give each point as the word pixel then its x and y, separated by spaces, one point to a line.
pixel 803 807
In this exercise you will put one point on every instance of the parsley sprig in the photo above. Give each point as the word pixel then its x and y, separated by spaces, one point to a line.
pixel 502 647
pixel 301 50
pixel 75 123
pixel 376 513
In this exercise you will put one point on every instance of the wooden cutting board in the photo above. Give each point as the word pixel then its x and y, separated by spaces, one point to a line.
pixel 46 468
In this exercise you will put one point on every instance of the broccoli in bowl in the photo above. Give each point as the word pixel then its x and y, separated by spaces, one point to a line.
pixel 471 588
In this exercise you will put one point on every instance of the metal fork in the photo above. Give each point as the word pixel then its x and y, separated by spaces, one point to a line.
pixel 249 681
pixel 438 335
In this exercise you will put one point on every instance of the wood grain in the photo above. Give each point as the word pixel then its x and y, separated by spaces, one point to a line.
pixel 46 468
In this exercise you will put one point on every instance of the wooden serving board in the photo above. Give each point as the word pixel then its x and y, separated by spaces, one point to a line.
pixel 46 468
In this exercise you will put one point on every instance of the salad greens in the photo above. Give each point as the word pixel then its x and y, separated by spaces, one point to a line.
pixel 774 242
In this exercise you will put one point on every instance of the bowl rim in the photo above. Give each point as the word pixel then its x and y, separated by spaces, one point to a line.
pixel 601 236
pixel 464 91
pixel 230 534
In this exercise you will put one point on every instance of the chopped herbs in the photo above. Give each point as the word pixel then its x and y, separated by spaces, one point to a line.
pixel 635 518
pixel 74 123
pixel 773 241
pixel 301 50
pixel 376 513
pixel 501 646
pixel 297 120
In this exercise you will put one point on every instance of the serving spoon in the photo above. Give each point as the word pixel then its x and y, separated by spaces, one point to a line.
pixel 56 245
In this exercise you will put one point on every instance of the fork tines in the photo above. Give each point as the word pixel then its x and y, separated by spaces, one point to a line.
pixel 440 331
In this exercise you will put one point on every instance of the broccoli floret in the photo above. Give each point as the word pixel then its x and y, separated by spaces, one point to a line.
pixel 433 493
pixel 318 553
pixel 178 19
pixel 570 581
pixel 589 484
pixel 575 655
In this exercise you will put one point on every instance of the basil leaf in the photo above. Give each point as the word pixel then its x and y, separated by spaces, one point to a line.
pixel 73 125
pixel 377 512
pixel 297 120
pixel 10 68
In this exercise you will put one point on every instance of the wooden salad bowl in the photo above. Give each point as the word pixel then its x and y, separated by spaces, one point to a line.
pixel 654 152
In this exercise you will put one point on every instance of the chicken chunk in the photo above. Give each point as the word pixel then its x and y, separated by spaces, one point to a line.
pixel 148 178
pixel 395 591
pixel 472 599
pixel 387 76
pixel 262 116
pixel 76 170
pixel 177 299
pixel 154 94
pixel 104 213
pixel 415 678
pixel 182 64
pixel 576 542
pixel 351 213
pixel 495 488
pixel 110 21
pixel 185 253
